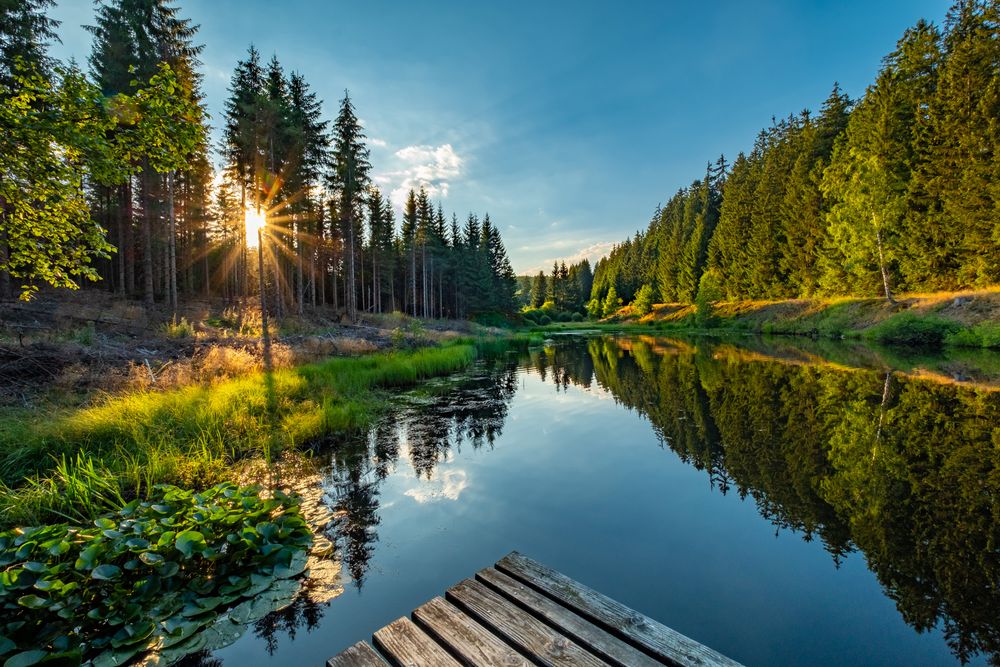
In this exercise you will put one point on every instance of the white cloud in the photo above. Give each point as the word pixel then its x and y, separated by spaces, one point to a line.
pixel 380 143
pixel 431 167
pixel 449 486
pixel 592 253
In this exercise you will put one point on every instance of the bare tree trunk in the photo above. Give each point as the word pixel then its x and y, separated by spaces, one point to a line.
pixel 6 292
pixel 147 247
pixel 413 271
pixel 121 245
pixel 172 244
pixel 129 238
pixel 300 295
pixel 883 267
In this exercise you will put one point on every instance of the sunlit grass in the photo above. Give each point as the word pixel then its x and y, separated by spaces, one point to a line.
pixel 77 461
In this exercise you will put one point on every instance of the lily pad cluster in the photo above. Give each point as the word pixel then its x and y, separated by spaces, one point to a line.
pixel 155 577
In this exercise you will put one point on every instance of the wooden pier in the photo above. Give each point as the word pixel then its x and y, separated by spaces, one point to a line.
pixel 520 612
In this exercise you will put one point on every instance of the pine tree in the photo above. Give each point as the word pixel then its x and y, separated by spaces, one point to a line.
pixel 349 181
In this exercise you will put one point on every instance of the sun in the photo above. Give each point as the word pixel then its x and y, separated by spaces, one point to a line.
pixel 256 221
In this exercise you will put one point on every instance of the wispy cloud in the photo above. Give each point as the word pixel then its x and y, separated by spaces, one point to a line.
pixel 592 252
pixel 434 168
pixel 380 143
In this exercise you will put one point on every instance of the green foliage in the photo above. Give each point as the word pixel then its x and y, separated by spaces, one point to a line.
pixel 911 329
pixel 595 309
pixel 54 139
pixel 181 329
pixel 985 334
pixel 611 303
pixel 643 303
pixel 709 291
pixel 153 574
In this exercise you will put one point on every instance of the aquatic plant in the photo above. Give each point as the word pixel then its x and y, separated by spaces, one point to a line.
pixel 174 573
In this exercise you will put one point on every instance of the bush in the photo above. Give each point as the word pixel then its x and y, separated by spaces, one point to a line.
pixel 594 309
pixel 985 334
pixel 643 302
pixel 611 303
pixel 544 320
pixel 709 291
pixel 182 329
pixel 563 316
pixel 911 329
pixel 577 317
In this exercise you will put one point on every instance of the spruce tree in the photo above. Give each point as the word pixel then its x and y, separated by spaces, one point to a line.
pixel 349 180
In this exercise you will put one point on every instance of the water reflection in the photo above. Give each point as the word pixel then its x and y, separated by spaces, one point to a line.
pixel 904 470
pixel 426 428
pixel 863 450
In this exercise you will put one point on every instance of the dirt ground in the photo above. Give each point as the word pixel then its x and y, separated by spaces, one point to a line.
pixel 70 347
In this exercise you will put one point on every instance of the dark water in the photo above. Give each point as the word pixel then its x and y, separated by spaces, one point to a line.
pixel 826 505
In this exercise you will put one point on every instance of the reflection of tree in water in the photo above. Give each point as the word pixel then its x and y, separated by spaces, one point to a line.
pixel 472 410
pixel 199 659
pixel 906 471
pixel 305 611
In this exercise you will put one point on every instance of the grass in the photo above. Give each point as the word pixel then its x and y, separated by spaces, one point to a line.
pixel 955 319
pixel 82 461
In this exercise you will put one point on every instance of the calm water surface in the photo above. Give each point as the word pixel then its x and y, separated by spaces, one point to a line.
pixel 829 505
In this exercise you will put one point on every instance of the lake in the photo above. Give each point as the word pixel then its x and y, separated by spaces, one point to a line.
pixel 784 502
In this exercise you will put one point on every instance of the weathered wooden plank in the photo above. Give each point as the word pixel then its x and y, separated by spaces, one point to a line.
pixel 474 644
pixel 580 630
pixel 653 637
pixel 406 645
pixel 518 628
pixel 359 655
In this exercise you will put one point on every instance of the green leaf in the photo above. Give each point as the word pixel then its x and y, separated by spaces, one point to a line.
pixel 33 602
pixel 189 541
pixel 106 572
pixel 26 658
pixel 151 558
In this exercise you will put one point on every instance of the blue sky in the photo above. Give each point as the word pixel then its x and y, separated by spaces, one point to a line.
pixel 567 121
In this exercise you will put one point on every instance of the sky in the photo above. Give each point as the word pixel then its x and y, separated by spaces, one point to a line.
pixel 568 122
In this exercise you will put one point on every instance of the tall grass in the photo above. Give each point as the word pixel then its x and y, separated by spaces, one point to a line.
pixel 82 461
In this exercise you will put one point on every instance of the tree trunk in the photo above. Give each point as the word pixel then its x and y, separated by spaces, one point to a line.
pixel 6 292
pixel 300 288
pixel 883 267
pixel 147 247
pixel 129 238
pixel 172 244
pixel 121 244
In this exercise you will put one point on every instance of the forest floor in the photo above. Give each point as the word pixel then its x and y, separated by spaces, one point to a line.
pixel 965 319
pixel 68 348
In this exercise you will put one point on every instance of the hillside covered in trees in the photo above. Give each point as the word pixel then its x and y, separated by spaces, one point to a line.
pixel 896 191
pixel 107 176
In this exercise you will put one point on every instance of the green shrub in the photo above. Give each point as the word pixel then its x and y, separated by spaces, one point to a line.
pixel 594 309
pixel 709 291
pixel 611 303
pixel 154 574
pixel 182 329
pixel 577 317
pixel 911 329
pixel 643 302
pixel 563 316
pixel 544 320
pixel 984 334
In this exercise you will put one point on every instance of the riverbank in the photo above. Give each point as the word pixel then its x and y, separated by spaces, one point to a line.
pixel 79 462
pixel 960 319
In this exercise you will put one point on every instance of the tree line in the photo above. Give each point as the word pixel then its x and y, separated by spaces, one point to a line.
pixel 896 191
pixel 107 176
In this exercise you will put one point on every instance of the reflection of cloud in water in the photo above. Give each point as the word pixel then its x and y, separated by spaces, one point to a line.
pixel 449 486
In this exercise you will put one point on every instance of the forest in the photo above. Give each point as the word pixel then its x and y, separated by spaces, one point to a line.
pixel 109 177
pixel 893 192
